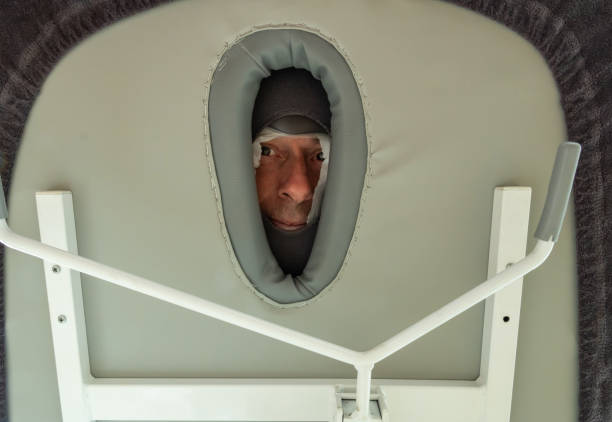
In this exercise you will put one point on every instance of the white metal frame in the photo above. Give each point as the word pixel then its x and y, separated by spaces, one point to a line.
pixel 85 398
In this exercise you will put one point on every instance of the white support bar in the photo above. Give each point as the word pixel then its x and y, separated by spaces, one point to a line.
pixel 176 297
pixel 275 400
pixel 56 223
pixel 509 226
pixel 167 294
pixel 431 401
pixel 212 400
pixel 257 399
pixel 500 281
pixel 364 381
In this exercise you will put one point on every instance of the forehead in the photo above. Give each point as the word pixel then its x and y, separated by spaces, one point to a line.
pixel 302 142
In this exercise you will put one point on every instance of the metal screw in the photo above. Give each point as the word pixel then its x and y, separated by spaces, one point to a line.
pixel 61 319
pixel 56 269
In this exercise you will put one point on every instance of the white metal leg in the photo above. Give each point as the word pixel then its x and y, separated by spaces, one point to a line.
pixel 364 381
pixel 85 398
pixel 56 223
pixel 510 223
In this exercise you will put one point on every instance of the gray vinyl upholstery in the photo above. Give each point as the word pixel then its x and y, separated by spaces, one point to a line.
pixel 233 89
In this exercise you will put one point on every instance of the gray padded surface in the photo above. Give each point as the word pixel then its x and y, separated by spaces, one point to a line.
pixel 559 189
pixel 232 94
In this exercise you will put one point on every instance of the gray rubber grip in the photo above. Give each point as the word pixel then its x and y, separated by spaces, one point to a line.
pixel 559 189
pixel 3 209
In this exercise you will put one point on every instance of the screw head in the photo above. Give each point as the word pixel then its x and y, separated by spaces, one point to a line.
pixel 61 319
pixel 56 269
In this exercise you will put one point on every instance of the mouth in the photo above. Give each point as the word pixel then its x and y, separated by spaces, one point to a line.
pixel 286 225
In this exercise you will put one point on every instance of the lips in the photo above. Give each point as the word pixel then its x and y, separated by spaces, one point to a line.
pixel 287 225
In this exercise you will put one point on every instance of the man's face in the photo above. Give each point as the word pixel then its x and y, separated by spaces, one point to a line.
pixel 287 175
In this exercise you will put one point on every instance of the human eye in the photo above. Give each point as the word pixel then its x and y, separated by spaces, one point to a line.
pixel 320 156
pixel 267 151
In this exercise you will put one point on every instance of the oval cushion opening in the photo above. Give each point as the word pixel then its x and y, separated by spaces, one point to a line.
pixel 234 86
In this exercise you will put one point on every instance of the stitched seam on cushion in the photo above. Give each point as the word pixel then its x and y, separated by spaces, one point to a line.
pixel 214 180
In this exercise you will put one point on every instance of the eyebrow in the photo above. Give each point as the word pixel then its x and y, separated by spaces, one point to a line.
pixel 314 146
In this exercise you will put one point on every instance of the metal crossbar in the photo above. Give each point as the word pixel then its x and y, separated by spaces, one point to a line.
pixel 56 258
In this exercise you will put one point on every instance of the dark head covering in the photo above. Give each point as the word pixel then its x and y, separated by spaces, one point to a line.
pixel 289 94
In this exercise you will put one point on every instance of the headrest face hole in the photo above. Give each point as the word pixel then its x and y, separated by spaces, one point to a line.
pixel 283 63
pixel 290 109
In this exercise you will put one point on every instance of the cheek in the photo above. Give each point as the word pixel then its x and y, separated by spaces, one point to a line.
pixel 266 182
pixel 314 172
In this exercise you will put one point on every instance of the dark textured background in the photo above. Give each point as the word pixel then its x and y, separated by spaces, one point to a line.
pixel 575 38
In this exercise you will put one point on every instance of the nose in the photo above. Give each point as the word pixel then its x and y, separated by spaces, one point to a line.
pixel 297 185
